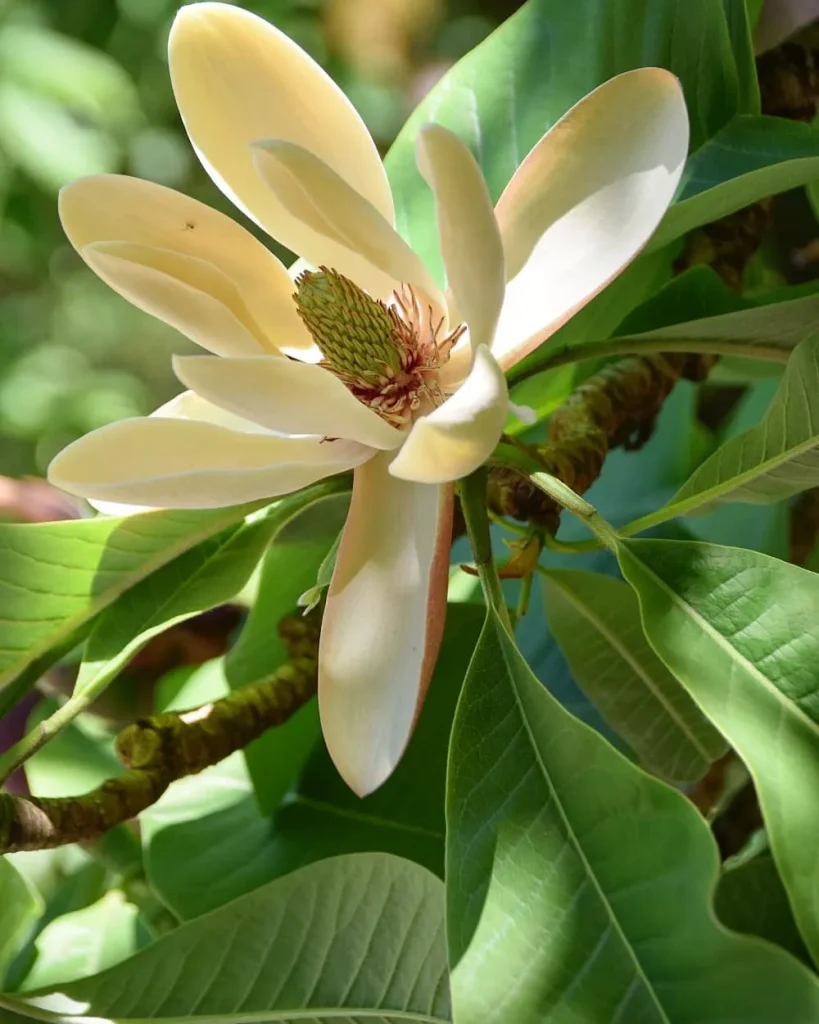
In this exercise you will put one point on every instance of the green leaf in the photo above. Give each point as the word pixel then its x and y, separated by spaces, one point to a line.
pixel 73 74
pixel 739 22
pixel 751 899
pixel 290 567
pixel 773 460
pixel 739 629
pixel 596 621
pixel 77 760
pixel 48 143
pixel 19 909
pixel 578 887
pixel 503 96
pixel 210 574
pixel 84 942
pixel 207 842
pixel 725 325
pixel 350 938
pixel 57 577
pixel 542 393
pixel 749 159
pixel 323 817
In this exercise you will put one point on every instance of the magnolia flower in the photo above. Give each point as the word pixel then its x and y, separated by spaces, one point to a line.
pixel 360 361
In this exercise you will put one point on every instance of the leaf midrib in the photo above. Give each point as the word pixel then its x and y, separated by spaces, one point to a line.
pixel 258 1017
pixel 761 469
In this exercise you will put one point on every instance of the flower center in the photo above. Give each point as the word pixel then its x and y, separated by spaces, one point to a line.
pixel 388 354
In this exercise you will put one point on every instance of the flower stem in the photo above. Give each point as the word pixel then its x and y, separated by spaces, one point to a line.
pixel 473 504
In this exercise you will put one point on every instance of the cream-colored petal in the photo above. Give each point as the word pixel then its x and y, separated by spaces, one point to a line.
pixel 116 208
pixel 461 434
pixel 342 229
pixel 187 293
pixel 470 238
pixel 181 463
pixel 237 80
pixel 585 201
pixel 189 406
pixel 383 621
pixel 185 406
pixel 286 396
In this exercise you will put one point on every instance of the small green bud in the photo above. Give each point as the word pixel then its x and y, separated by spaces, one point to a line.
pixel 355 333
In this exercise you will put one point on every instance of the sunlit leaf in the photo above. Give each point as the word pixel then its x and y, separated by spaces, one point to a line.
pixel 351 938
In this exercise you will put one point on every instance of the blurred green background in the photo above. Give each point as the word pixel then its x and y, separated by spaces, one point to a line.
pixel 84 88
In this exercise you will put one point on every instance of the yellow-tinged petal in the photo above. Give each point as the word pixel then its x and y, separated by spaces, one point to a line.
pixel 182 463
pixel 383 621
pixel 342 229
pixel 238 80
pixel 116 208
pixel 185 406
pixel 585 201
pixel 286 396
pixel 187 293
pixel 461 434
pixel 470 238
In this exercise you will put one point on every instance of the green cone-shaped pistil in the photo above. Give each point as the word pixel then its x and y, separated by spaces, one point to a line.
pixel 355 333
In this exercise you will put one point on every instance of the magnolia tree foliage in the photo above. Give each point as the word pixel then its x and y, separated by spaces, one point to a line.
pixel 562 763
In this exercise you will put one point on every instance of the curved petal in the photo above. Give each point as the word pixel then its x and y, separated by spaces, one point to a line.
pixel 461 434
pixel 470 238
pixel 116 208
pixel 286 396
pixel 181 463
pixel 383 621
pixel 584 202
pixel 187 293
pixel 237 80
pixel 341 229
pixel 185 406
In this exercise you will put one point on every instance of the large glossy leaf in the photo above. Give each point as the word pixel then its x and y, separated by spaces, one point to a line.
pixel 749 159
pixel 20 907
pixel 207 842
pixel 740 630
pixel 578 887
pixel 353 938
pixel 596 621
pixel 59 576
pixel 507 92
pixel 773 460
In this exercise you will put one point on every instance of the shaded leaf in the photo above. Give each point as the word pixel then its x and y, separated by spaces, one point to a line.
pixel 751 899
pixel 596 621
pixel 749 159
